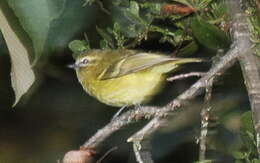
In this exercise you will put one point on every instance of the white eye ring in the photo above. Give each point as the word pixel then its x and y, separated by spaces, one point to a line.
pixel 84 61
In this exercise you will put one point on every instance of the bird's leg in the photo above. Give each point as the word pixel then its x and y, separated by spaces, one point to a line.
pixel 183 76
pixel 118 112
pixel 137 106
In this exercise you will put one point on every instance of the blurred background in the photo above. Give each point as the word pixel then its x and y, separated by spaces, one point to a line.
pixel 56 115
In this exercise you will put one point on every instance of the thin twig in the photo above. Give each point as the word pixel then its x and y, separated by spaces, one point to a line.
pixel 102 7
pixel 142 152
pixel 106 154
pixel 183 76
pixel 239 47
pixel 225 62
pixel 119 122
pixel 205 115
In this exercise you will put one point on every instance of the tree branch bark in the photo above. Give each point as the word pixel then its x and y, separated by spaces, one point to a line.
pixel 250 64
pixel 205 116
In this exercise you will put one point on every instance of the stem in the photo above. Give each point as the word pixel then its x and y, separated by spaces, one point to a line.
pixel 205 115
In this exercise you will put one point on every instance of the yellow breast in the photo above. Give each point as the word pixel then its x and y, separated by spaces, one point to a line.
pixel 131 89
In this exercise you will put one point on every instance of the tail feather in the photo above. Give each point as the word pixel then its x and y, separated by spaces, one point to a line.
pixel 173 65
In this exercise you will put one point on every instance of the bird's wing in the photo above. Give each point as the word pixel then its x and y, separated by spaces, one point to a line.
pixel 133 63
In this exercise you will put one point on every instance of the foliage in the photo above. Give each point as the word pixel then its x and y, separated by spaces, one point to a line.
pixel 174 23
pixel 248 152
pixel 50 24
pixel 43 27
pixel 22 75
pixel 253 12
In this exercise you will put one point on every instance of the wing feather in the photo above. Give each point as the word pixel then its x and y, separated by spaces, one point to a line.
pixel 134 63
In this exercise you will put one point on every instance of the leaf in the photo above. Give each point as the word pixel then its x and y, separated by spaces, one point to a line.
pixel 183 2
pixel 238 155
pixel 134 8
pixel 247 122
pixel 22 75
pixel 248 132
pixel 209 35
pixel 51 24
pixel 129 19
pixel 78 47
pixel 189 49
pixel 35 17
pixel 109 40
pixel 256 161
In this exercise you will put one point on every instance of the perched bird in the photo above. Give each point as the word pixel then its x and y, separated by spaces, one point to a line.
pixel 125 77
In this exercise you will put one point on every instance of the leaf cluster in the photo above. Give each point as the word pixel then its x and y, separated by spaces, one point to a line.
pixel 253 12
pixel 248 152
pixel 182 24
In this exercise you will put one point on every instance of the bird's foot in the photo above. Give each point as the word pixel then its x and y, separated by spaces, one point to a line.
pixel 119 112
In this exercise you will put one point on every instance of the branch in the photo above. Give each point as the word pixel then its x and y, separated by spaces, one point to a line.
pixel 239 47
pixel 133 116
pixel 142 151
pixel 224 63
pixel 205 115
pixel 119 122
pixel 250 65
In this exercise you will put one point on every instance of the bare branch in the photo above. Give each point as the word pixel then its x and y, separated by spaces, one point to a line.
pixel 250 64
pixel 205 115
pixel 225 62
pixel 106 154
pixel 142 151
pixel 239 47
pixel 118 123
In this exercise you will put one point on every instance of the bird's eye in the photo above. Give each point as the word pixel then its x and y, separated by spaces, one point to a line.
pixel 84 61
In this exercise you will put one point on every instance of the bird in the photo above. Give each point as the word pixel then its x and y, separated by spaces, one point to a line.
pixel 125 77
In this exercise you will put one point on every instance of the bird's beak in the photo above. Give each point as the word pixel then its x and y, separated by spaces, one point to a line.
pixel 73 66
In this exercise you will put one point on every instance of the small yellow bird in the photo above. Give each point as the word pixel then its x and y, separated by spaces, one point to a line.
pixel 125 77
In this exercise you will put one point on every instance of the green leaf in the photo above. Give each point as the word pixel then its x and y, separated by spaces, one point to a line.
pixel 129 19
pixel 104 44
pixel 120 39
pixel 35 17
pixel 134 8
pixel 189 49
pixel 209 35
pixel 89 2
pixel 22 75
pixel 152 7
pixel 107 38
pixel 238 155
pixel 78 47
pixel 183 2
pixel 247 122
pixel 51 24
pixel 239 161
pixel 248 133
